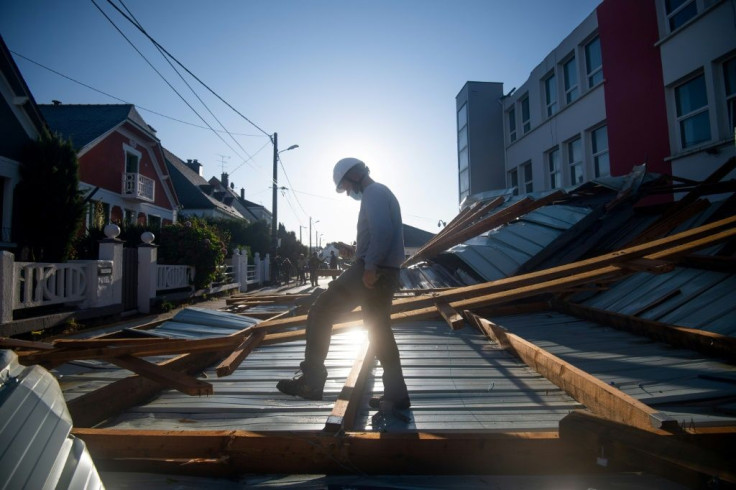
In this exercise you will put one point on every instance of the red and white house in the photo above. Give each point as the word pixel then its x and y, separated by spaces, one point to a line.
pixel 121 163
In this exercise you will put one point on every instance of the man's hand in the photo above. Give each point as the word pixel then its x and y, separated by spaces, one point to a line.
pixel 369 278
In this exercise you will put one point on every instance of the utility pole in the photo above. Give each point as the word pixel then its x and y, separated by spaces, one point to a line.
pixel 274 216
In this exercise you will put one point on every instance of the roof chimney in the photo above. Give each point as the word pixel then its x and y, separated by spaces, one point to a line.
pixel 195 166
pixel 224 180
pixel 242 193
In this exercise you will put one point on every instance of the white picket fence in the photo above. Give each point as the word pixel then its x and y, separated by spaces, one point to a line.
pixel 174 277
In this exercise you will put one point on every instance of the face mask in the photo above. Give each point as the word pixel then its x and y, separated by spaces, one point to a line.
pixel 355 195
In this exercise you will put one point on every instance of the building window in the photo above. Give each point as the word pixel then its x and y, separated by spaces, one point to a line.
pixel 553 168
pixel 525 122
pixel 570 74
pixel 729 75
pixel 131 163
pixel 512 125
pixel 679 12
pixel 550 94
pixel 575 161
pixel 462 147
pixel 527 169
pixel 593 62
pixel 514 181
pixel 599 143
pixel 154 222
pixel 691 101
pixel 129 217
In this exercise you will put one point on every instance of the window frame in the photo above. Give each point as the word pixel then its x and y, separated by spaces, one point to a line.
pixel 526 169
pixel 572 164
pixel 597 154
pixel 526 124
pixel 669 15
pixel 594 75
pixel 680 119
pixel 514 181
pixel 730 99
pixel 554 171
pixel 572 92
pixel 551 98
pixel 511 119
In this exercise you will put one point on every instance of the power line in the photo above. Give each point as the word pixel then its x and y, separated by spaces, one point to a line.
pixel 162 77
pixel 185 68
pixel 55 72
pixel 137 24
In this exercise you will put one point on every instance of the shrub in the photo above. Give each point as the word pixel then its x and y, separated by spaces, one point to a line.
pixel 193 242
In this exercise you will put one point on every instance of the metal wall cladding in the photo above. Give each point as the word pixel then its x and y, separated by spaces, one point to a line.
pixel 501 252
pixel 36 448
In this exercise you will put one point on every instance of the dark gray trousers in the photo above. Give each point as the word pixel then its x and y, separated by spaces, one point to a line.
pixel 343 295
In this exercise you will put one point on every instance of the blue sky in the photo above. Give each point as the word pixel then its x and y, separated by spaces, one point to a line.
pixel 375 80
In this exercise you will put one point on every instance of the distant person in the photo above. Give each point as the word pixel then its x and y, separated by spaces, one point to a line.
pixel 276 270
pixel 286 270
pixel 370 282
pixel 314 264
pixel 333 263
pixel 301 265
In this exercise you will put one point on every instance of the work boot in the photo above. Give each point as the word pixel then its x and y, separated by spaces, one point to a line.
pixel 303 386
pixel 401 404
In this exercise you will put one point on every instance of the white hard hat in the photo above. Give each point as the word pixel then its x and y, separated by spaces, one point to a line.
pixel 343 167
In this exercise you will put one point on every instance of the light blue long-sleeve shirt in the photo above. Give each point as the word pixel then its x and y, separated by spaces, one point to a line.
pixel 380 240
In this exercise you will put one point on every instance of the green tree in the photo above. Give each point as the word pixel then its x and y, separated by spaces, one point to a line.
pixel 49 208
pixel 193 242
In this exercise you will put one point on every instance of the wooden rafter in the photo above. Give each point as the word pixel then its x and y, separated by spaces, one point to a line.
pixel 289 452
pixel 676 457
pixel 167 377
pixel 345 409
pixel 598 396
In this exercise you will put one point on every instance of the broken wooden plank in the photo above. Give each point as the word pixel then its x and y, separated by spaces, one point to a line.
pixel 709 343
pixel 652 266
pixel 302 452
pixel 451 316
pixel 236 357
pixel 166 377
pixel 669 222
pixel 596 395
pixel 676 457
pixel 146 348
pixel 345 409
pixel 8 343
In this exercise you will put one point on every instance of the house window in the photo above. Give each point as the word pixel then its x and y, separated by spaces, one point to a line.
pixel 550 94
pixel 154 222
pixel 512 125
pixel 131 163
pixel 679 12
pixel 462 147
pixel 525 122
pixel 514 181
pixel 527 169
pixel 593 62
pixel 553 168
pixel 129 217
pixel 729 75
pixel 691 101
pixel 599 143
pixel 570 74
pixel 575 161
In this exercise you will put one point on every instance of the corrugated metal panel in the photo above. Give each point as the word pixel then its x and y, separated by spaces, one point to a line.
pixel 456 379
pixel 501 252
pixel 673 380
pixel 36 449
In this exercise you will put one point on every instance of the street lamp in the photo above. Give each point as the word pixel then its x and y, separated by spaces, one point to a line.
pixel 310 234
pixel 274 217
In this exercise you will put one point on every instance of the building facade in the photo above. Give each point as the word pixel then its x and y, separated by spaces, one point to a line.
pixel 636 82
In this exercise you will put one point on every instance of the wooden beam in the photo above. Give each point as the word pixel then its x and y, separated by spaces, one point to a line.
pixel 676 457
pixel 8 343
pixel 236 357
pixel 346 406
pixel 648 265
pixel 669 222
pixel 163 375
pixel 301 452
pixel 143 349
pixel 693 239
pixel 92 408
pixel 599 397
pixel 451 316
pixel 708 343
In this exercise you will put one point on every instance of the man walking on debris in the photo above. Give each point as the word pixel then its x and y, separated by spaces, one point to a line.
pixel 370 282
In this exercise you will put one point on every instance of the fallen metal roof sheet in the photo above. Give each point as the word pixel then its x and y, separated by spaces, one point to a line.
pixel 36 448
